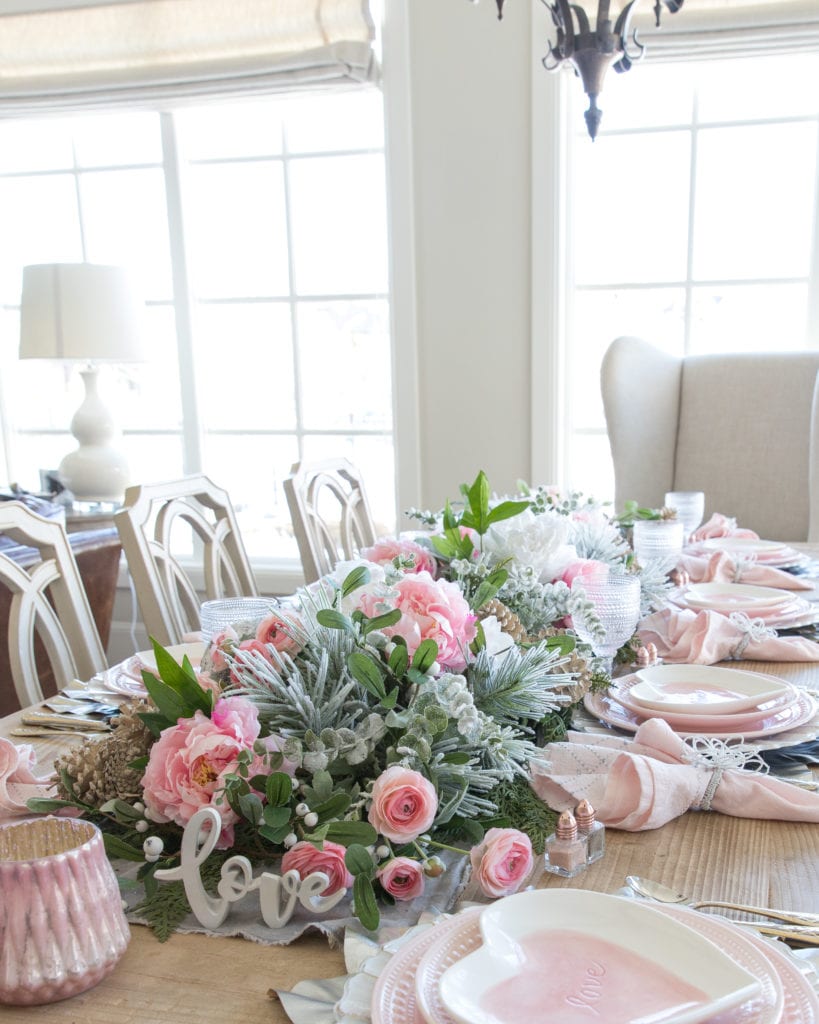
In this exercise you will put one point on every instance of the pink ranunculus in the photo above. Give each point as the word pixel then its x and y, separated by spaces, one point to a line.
pixel 502 861
pixel 402 878
pixel 220 644
pixel 386 549
pixel 306 859
pixel 430 610
pixel 404 804
pixel 276 631
pixel 586 568
pixel 187 766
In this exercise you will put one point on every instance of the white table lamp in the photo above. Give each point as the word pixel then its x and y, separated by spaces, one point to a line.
pixel 82 312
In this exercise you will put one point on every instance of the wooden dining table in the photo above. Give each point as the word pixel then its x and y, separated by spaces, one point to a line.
pixel 201 979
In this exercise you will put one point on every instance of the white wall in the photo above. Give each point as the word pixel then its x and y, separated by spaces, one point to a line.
pixel 470 79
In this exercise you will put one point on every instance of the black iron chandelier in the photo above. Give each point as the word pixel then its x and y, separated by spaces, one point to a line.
pixel 593 51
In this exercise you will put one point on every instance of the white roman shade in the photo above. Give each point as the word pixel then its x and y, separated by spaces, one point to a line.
pixel 73 55
pixel 705 29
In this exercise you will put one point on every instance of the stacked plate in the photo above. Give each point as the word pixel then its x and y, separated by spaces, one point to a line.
pixel 699 700
pixel 126 678
pixel 777 608
pixel 571 955
pixel 767 552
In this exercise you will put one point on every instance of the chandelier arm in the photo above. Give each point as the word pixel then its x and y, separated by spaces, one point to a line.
pixel 583 24
pixel 621 26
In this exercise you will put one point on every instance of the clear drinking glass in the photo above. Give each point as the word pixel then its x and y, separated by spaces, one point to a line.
pixel 690 506
pixel 238 612
pixel 657 538
pixel 616 601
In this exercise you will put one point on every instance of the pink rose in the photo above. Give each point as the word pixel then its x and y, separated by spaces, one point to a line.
pixel 306 859
pixel 502 861
pixel 402 878
pixel 387 549
pixel 404 804
pixel 430 610
pixel 586 568
pixel 278 632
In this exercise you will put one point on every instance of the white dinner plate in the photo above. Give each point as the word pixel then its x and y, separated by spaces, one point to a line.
pixel 736 597
pixel 147 660
pixel 704 689
pixel 590 954
pixel 745 545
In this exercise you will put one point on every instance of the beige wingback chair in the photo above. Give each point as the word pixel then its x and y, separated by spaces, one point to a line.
pixel 743 428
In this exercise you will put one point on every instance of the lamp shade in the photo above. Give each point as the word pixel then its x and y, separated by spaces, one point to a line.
pixel 80 311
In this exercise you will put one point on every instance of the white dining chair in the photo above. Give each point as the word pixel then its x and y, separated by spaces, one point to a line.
pixel 49 603
pixel 330 512
pixel 742 427
pixel 172 532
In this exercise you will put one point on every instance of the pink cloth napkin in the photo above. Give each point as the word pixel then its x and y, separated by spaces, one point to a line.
pixel 721 526
pixel 719 567
pixel 18 783
pixel 706 637
pixel 645 782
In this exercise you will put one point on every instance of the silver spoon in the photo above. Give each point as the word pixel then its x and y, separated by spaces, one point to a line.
pixel 657 891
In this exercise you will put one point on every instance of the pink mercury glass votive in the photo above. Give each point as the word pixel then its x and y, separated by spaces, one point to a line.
pixel 62 927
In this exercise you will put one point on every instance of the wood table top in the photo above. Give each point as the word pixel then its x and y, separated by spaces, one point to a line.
pixel 198 978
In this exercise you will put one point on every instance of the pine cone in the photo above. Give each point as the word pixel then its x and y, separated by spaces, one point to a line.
pixel 99 767
pixel 509 622
pixel 576 664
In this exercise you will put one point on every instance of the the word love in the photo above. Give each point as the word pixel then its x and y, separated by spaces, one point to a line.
pixel 278 894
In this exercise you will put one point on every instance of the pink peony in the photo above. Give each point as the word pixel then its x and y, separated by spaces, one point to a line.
pixel 386 549
pixel 238 717
pixel 188 763
pixel 276 631
pixel 402 878
pixel 404 804
pixel 502 861
pixel 430 610
pixel 586 568
pixel 306 859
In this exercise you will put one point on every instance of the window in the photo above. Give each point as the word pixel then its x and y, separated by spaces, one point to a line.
pixel 704 238
pixel 257 230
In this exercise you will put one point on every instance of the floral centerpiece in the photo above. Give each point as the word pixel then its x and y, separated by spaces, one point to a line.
pixel 388 712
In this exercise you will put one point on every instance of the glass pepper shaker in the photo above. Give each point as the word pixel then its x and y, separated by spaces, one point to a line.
pixel 593 830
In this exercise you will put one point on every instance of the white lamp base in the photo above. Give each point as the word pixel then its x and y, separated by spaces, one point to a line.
pixel 96 470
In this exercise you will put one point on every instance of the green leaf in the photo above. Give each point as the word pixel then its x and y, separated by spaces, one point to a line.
pixel 449 520
pixel 468 827
pixel 391 699
pixel 332 619
pixel 139 764
pixel 279 789
pixel 425 655
pixel 359 861
pixel 250 807
pixel 334 807
pixel 322 785
pixel 443 545
pixel 171 705
pixel 276 817
pixel 506 510
pixel 258 782
pixel 478 496
pixel 366 672
pixel 42 805
pixel 116 847
pixel 182 679
pixel 274 835
pixel 318 835
pixel 457 757
pixel 382 621
pixel 416 677
pixel 121 810
pixel 155 722
pixel 364 903
pixel 357 578
pixel 349 832
pixel 399 659
pixel 561 642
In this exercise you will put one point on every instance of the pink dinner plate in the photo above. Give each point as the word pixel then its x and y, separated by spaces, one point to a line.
pixel 782 997
pixel 620 690
pixel 613 713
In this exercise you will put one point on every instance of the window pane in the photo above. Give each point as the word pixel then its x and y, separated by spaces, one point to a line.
pixel 754 201
pixel 236 227
pixel 589 467
pixel 152 385
pixel 655 314
pixel 345 121
pixel 629 209
pixel 350 342
pixel 126 224
pixel 39 225
pixel 251 470
pixel 747 90
pixel 33 452
pixel 35 146
pixel 113 140
pixel 648 95
pixel 154 458
pixel 224 130
pixel 244 359
pixel 752 318
pixel 338 246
